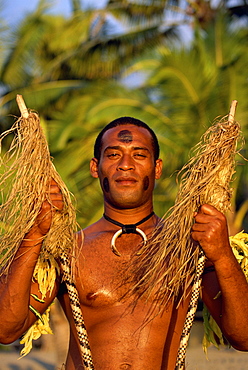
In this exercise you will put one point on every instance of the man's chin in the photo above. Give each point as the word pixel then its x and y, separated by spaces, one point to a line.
pixel 125 203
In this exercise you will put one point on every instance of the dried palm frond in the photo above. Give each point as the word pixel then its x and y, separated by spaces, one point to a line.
pixel 26 173
pixel 166 266
pixel 35 332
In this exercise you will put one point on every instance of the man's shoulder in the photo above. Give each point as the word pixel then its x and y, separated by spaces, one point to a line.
pixel 92 228
pixel 90 232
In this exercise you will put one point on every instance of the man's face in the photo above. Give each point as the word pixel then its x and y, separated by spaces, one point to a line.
pixel 127 168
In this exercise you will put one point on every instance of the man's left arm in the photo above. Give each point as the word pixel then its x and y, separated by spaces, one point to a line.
pixel 230 307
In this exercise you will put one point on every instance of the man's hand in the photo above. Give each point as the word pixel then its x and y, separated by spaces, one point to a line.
pixel 211 232
pixel 48 208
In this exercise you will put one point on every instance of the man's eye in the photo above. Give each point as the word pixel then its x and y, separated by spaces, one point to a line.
pixel 139 155
pixel 112 155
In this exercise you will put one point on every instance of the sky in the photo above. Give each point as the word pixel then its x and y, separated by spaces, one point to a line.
pixel 12 11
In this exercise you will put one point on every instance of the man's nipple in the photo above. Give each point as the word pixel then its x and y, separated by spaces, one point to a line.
pixel 101 297
pixel 91 296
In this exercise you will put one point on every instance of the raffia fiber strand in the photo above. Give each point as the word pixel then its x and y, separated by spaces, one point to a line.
pixel 26 173
pixel 166 267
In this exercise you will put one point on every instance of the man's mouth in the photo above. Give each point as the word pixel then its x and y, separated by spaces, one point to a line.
pixel 126 180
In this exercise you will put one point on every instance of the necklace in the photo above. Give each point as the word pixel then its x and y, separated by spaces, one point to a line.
pixel 127 229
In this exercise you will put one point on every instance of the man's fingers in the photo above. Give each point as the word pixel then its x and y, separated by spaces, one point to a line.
pixel 55 195
pixel 56 200
pixel 202 218
pixel 53 187
pixel 198 227
pixel 206 214
pixel 207 209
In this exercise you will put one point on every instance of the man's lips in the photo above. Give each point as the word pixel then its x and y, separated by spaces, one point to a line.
pixel 126 180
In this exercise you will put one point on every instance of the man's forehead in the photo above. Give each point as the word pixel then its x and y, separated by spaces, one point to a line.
pixel 127 134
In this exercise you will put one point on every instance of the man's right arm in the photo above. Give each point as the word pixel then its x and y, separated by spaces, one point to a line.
pixel 16 288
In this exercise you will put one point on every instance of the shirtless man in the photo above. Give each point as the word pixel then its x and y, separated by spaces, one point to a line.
pixel 127 165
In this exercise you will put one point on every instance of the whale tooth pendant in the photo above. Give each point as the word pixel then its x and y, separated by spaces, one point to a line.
pixel 127 229
pixel 118 233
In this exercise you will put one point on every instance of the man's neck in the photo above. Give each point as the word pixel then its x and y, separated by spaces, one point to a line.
pixel 127 216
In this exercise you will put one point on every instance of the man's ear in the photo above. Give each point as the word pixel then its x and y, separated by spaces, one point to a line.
pixel 94 168
pixel 158 168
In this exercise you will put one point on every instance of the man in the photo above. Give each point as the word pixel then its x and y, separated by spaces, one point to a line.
pixel 127 164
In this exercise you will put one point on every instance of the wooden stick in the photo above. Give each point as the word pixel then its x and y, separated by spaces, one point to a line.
pixel 232 112
pixel 22 106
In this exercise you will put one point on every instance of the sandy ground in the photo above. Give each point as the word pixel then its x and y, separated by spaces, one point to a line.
pixel 224 359
pixel 47 358
pixel 227 359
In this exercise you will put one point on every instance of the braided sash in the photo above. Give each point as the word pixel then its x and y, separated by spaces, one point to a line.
pixel 191 312
pixel 77 314
pixel 81 329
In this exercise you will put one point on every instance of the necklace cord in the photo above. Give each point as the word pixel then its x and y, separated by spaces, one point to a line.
pixel 128 228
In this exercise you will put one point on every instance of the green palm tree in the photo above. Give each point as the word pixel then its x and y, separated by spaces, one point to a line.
pixel 194 85
pixel 84 47
pixel 76 96
pixel 55 74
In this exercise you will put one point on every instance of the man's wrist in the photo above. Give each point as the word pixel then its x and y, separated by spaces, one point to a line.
pixel 33 236
pixel 227 266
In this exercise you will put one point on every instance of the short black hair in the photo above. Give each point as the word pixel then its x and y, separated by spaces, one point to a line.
pixel 125 121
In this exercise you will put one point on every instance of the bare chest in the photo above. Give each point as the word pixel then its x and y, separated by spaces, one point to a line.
pixel 101 276
pixel 120 334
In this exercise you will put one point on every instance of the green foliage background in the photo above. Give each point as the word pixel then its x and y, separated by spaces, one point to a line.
pixel 128 59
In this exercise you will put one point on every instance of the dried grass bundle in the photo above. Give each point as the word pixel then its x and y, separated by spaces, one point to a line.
pixel 26 173
pixel 166 267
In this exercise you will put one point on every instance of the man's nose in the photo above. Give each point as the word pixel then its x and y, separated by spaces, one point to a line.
pixel 126 163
